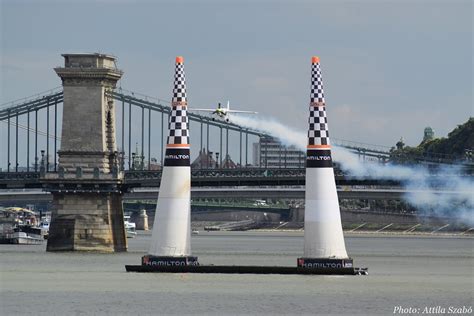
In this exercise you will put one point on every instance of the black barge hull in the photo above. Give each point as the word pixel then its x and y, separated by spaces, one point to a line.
pixel 246 270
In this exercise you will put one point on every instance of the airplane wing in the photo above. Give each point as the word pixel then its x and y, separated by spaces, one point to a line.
pixel 206 110
pixel 237 111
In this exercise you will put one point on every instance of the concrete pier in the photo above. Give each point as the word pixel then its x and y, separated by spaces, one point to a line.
pixel 142 220
pixel 87 200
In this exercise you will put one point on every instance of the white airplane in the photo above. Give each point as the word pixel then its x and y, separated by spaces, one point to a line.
pixel 223 112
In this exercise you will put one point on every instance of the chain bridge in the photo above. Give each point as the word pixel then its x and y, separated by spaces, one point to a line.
pixel 31 150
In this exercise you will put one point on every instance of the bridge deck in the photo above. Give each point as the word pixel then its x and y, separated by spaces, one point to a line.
pixel 199 178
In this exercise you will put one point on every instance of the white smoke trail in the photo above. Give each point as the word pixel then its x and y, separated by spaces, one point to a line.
pixel 456 201
pixel 286 135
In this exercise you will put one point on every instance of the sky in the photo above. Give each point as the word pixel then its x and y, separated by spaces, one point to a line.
pixel 390 68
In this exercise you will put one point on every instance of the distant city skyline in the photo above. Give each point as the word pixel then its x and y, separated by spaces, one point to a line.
pixel 390 69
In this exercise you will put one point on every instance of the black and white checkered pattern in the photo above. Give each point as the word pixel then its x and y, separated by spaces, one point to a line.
pixel 317 93
pixel 179 90
pixel 178 124
pixel 318 133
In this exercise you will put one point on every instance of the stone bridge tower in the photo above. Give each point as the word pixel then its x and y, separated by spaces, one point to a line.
pixel 87 200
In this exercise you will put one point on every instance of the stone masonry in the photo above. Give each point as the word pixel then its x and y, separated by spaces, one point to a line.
pixel 87 200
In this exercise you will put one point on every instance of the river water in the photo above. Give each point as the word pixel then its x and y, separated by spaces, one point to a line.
pixel 405 272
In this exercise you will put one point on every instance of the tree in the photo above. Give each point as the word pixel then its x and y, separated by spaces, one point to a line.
pixel 459 142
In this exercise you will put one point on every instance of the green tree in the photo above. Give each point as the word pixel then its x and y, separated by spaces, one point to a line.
pixel 459 141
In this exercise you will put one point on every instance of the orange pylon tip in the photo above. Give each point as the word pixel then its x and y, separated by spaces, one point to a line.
pixel 315 59
pixel 179 59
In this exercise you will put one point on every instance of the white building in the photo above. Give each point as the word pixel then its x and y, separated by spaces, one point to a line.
pixel 270 153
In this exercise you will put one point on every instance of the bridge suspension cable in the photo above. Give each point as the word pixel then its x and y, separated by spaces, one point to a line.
pixel 39 95
pixel 31 129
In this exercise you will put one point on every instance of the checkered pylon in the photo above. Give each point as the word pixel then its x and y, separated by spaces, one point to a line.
pixel 317 93
pixel 178 122
pixel 318 134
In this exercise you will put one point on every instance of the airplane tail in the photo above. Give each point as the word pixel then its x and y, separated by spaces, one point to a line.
pixel 228 105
